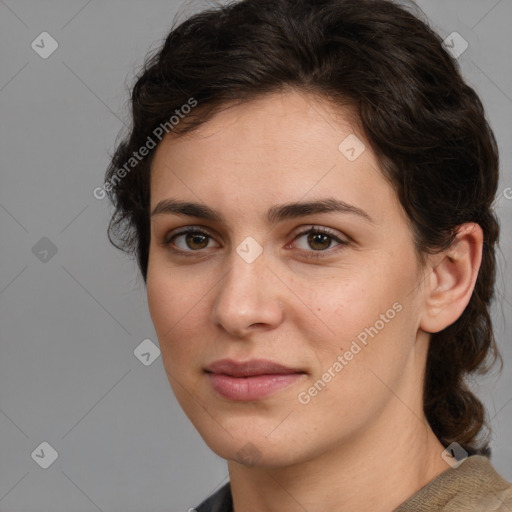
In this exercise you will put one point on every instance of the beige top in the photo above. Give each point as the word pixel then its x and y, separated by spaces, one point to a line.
pixel 472 486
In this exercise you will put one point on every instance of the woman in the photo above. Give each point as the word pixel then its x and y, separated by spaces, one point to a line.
pixel 308 190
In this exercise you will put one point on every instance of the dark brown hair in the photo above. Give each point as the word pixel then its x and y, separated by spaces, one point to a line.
pixel 425 124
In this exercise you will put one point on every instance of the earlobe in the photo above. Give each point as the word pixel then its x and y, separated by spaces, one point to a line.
pixel 452 279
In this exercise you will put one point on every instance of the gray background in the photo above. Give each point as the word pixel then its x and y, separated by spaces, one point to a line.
pixel 70 324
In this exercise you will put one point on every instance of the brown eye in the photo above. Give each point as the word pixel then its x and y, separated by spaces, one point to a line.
pixel 196 241
pixel 191 240
pixel 319 241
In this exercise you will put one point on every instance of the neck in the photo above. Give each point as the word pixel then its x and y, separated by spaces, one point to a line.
pixel 376 472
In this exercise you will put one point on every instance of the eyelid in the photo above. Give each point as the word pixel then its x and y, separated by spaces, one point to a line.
pixel 316 228
pixel 168 241
pixel 341 241
pixel 168 237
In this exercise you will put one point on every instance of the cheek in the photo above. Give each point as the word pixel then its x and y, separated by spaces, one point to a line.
pixel 172 292
pixel 180 303
pixel 367 311
pixel 370 346
pixel 174 305
pixel 175 311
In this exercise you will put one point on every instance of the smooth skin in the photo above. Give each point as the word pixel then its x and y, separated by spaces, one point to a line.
pixel 362 443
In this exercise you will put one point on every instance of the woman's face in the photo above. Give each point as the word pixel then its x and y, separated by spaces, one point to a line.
pixel 275 237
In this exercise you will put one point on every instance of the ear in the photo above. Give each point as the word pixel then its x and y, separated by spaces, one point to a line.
pixel 451 279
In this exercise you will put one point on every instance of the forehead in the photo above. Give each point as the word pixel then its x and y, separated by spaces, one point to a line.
pixel 280 147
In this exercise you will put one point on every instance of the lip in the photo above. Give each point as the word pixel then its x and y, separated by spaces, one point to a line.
pixel 250 380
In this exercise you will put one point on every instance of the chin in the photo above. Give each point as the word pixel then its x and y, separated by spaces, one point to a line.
pixel 251 453
pixel 249 443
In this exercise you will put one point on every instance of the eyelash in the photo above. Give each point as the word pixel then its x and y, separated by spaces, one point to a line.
pixel 315 230
pixel 168 241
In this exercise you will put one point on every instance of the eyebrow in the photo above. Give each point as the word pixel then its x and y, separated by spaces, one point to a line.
pixel 275 214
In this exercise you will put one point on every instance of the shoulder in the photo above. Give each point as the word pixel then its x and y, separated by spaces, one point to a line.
pixel 218 502
pixel 472 485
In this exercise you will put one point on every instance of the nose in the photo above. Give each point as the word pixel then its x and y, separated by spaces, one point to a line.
pixel 247 298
